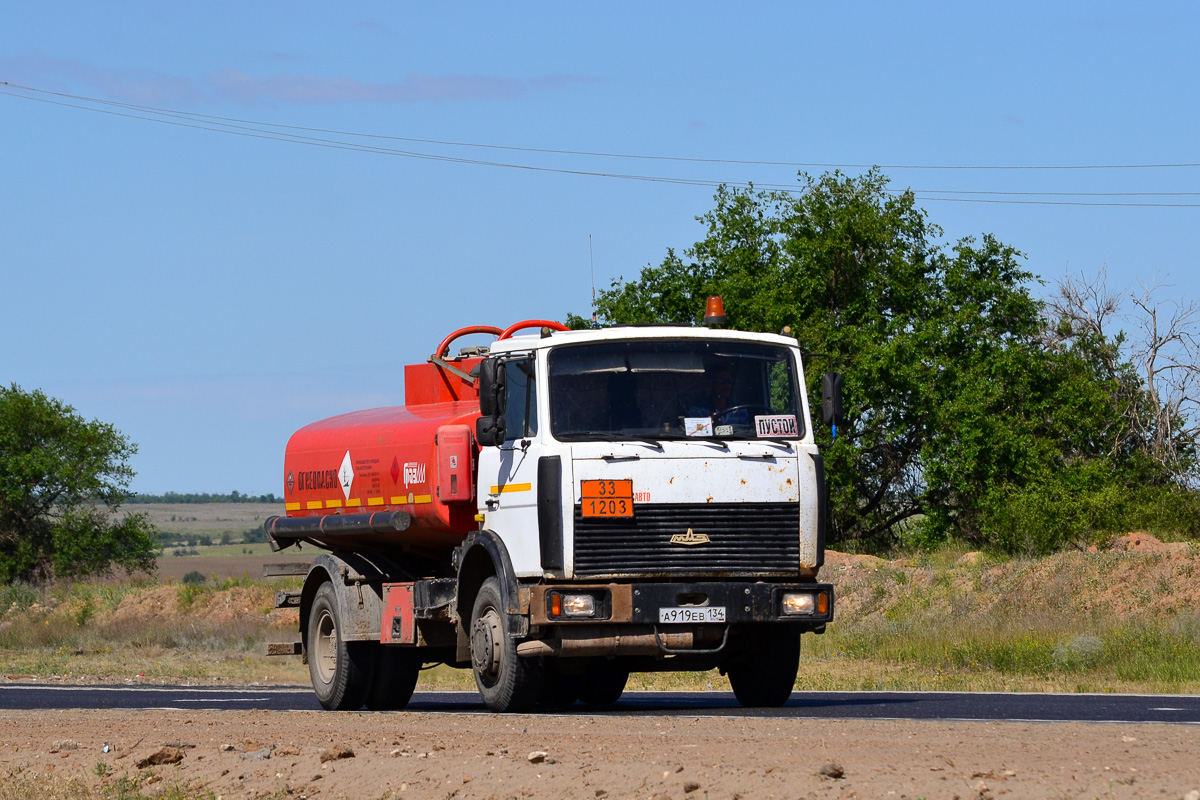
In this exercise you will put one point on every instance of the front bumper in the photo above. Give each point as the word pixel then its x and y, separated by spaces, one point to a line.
pixel 640 603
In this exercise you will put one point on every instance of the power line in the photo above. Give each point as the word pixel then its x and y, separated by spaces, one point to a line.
pixel 253 133
pixel 1059 194
pixel 601 154
pixel 928 199
pixel 277 132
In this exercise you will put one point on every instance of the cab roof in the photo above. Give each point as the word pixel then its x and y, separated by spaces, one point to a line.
pixel 538 341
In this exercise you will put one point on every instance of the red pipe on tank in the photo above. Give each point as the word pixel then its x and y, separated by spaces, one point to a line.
pixel 533 323
pixel 444 347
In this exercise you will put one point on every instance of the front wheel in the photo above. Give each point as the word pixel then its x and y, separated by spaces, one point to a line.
pixel 340 670
pixel 765 674
pixel 558 689
pixel 506 681
pixel 603 686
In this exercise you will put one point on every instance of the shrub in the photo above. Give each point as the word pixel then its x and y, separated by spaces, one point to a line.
pixel 21 594
pixel 1082 506
pixel 188 593
pixel 254 535
pixel 1080 652
pixel 195 577
pixel 86 611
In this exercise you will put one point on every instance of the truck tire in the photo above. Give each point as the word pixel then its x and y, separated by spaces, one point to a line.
pixel 506 681
pixel 766 673
pixel 340 670
pixel 396 672
pixel 558 689
pixel 603 687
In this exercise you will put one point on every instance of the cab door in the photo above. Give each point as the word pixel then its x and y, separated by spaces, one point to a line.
pixel 508 474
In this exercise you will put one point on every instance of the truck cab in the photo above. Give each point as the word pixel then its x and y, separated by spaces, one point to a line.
pixel 659 491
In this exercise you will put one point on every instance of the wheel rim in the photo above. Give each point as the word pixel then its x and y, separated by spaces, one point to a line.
pixel 485 644
pixel 326 647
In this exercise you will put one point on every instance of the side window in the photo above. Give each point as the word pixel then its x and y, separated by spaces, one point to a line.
pixel 520 407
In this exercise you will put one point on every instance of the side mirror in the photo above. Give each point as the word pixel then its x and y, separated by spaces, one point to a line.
pixel 489 428
pixel 489 431
pixel 831 398
pixel 492 392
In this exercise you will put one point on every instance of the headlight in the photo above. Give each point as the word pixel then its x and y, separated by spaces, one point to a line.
pixel 579 605
pixel 572 605
pixel 795 604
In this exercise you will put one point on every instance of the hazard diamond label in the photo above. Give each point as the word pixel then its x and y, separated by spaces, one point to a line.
pixel 346 475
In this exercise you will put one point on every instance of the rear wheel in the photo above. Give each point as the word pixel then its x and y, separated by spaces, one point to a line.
pixel 396 673
pixel 340 670
pixel 766 673
pixel 506 681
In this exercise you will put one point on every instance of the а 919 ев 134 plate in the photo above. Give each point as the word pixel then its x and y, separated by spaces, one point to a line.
pixel 692 614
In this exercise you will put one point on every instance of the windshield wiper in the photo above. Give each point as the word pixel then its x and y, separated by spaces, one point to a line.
pixel 586 436
pixel 597 436
pixel 646 440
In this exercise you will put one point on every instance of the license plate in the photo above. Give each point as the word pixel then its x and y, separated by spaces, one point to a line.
pixel 692 614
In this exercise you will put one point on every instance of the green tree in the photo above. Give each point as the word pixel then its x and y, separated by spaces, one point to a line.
pixel 956 406
pixel 1117 427
pixel 62 482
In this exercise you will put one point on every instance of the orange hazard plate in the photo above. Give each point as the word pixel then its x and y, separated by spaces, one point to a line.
pixel 607 498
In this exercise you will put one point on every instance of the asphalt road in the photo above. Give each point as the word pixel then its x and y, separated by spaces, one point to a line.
pixel 1182 709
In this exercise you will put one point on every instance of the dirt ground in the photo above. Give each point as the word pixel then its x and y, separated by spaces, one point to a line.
pixel 422 755
pixel 466 756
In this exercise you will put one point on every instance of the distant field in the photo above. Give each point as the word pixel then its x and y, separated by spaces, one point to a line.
pixel 227 561
pixel 206 518
pixel 213 520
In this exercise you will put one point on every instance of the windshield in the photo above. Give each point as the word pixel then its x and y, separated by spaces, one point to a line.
pixel 644 389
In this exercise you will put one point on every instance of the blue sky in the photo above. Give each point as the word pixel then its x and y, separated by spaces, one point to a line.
pixel 210 293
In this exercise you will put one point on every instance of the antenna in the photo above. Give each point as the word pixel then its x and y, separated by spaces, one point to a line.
pixel 592 262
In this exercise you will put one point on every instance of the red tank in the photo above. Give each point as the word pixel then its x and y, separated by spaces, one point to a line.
pixel 393 479
pixel 418 459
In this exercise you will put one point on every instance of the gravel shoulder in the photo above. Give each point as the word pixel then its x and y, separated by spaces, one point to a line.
pixel 366 755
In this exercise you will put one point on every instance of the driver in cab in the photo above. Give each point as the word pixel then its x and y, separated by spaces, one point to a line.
pixel 718 380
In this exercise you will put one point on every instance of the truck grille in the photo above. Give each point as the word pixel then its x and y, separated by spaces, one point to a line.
pixel 744 539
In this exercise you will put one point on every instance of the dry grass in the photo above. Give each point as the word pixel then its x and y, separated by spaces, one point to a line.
pixel 167 633
pixel 26 784
pixel 1102 621
pixel 22 786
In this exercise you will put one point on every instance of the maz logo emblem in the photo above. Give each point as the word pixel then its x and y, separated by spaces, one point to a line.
pixel 690 538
